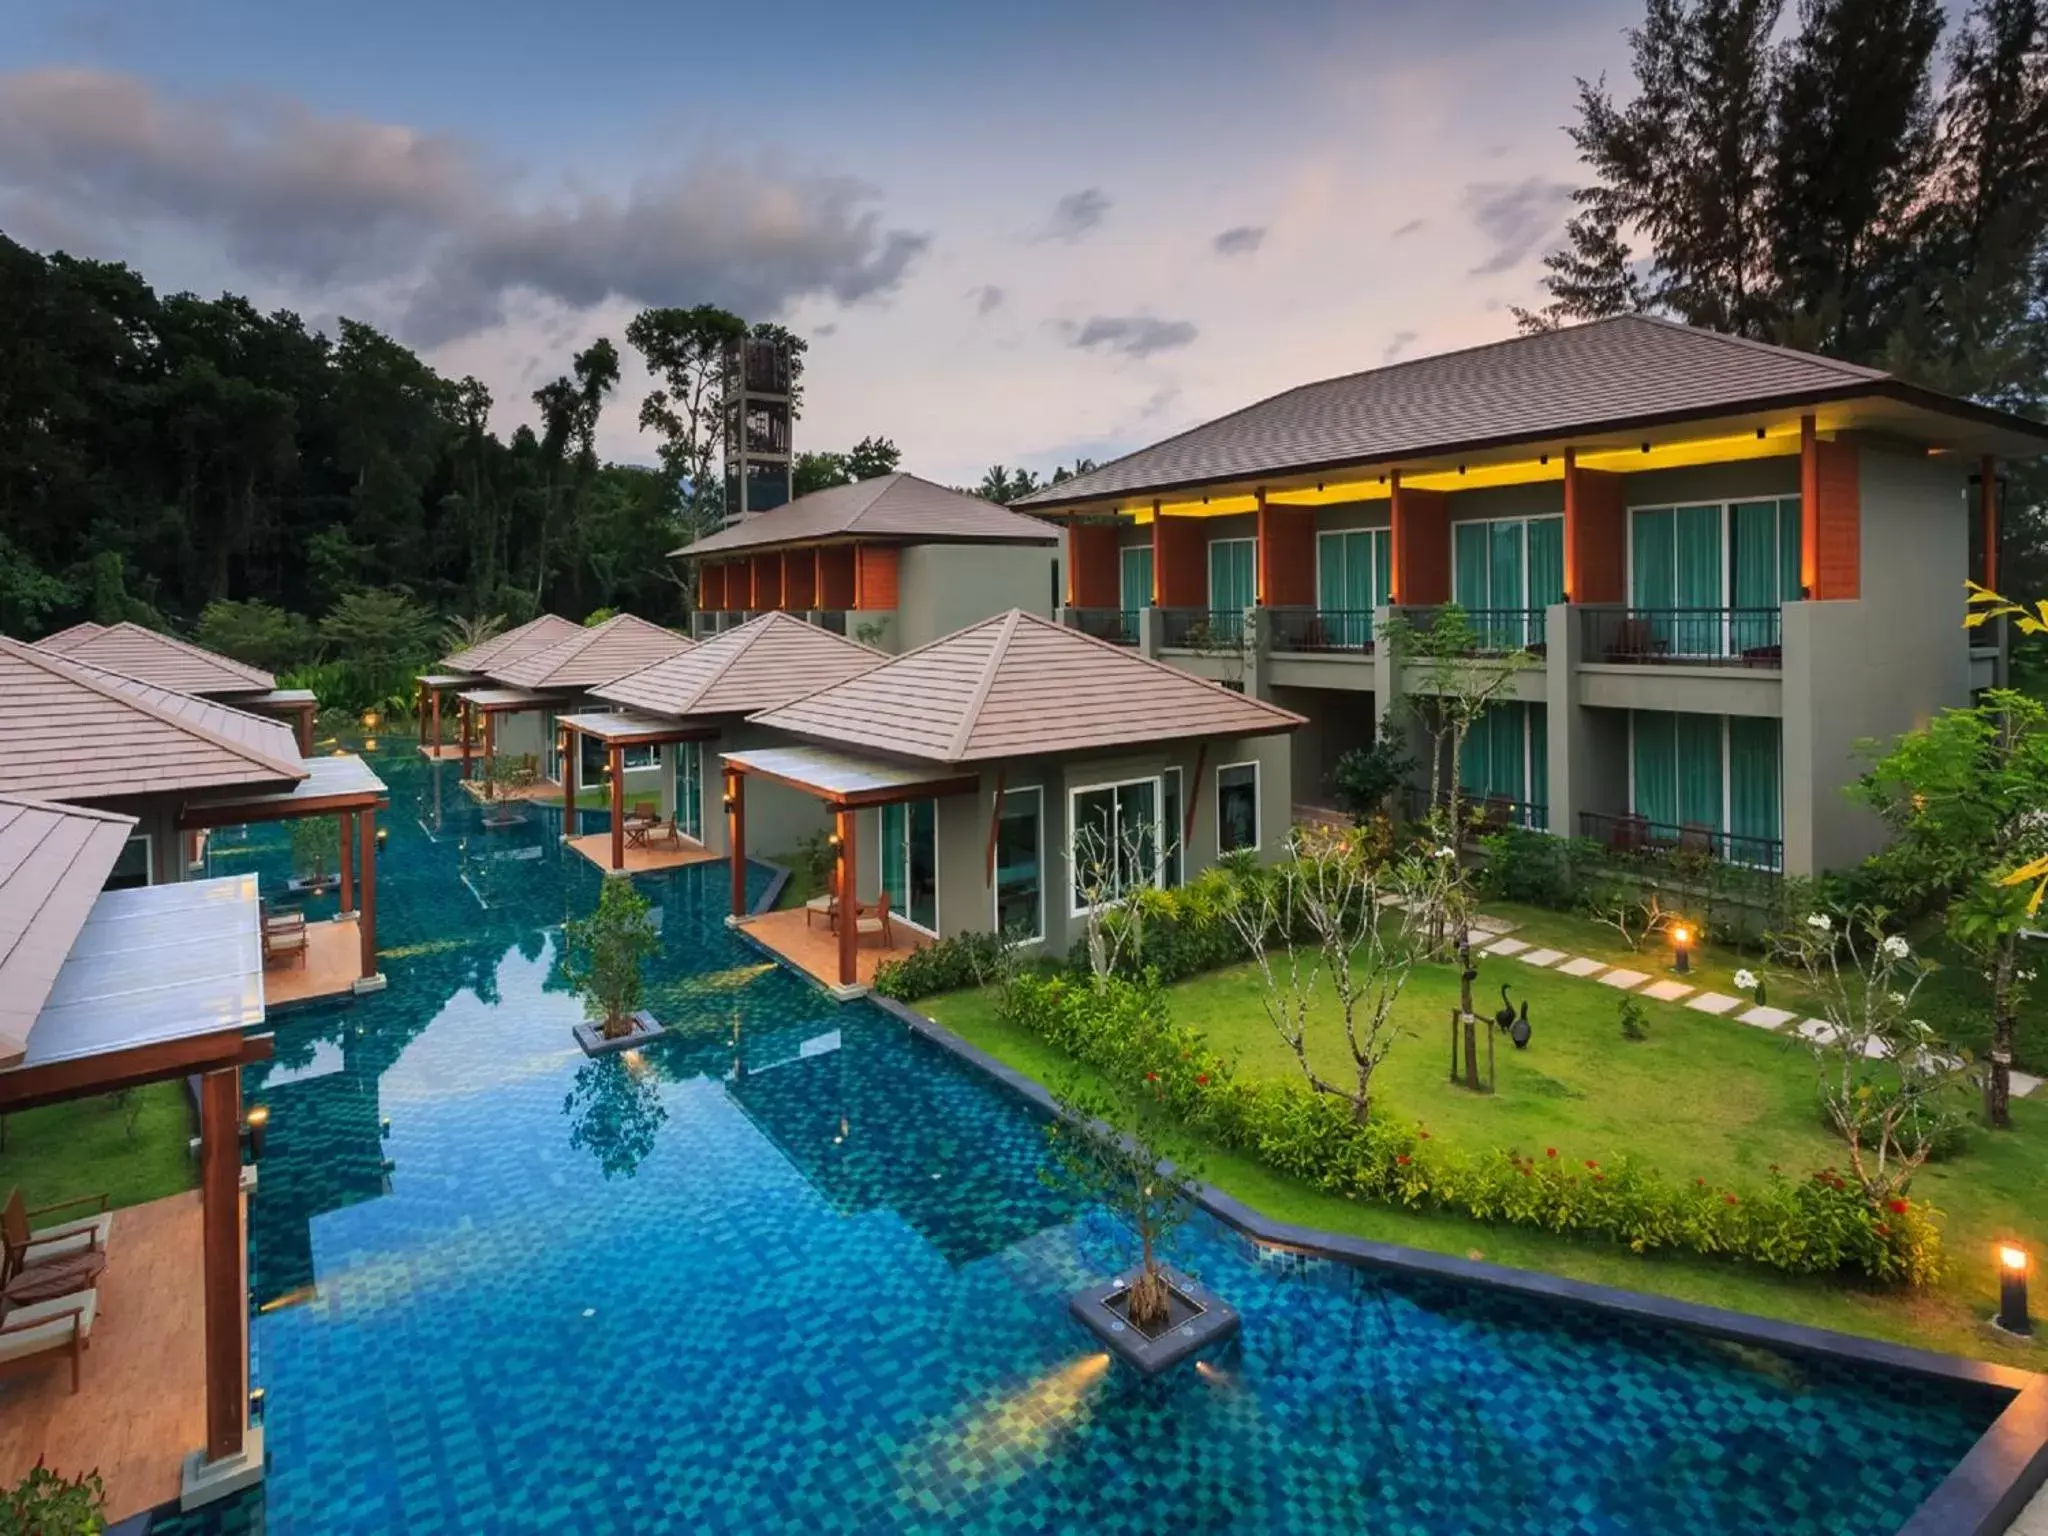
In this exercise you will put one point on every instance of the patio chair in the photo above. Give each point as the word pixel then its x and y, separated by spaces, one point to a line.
pixel 1628 834
pixel 668 834
pixel 1636 640
pixel 826 906
pixel 285 938
pixel 876 922
pixel 27 1247
pixel 31 1335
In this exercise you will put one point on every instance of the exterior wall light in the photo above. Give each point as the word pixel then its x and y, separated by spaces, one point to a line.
pixel 2012 1290
pixel 1681 948
pixel 256 1125
pixel 369 719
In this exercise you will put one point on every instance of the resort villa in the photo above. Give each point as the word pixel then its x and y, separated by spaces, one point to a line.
pixel 438 692
pixel 1732 561
pixel 169 662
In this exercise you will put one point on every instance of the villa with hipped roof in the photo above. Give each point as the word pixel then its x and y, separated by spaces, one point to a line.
pixel 464 669
pixel 896 561
pixel 681 713
pixel 1009 778
pixel 148 654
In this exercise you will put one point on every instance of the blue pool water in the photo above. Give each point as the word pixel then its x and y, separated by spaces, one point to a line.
pixel 793 1270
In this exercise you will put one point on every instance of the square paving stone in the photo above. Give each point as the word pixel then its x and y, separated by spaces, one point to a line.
pixel 1769 1018
pixel 1623 979
pixel 2023 1083
pixel 1716 1003
pixel 1818 1030
pixel 1667 991
pixel 1506 947
pixel 1583 967
pixel 1543 957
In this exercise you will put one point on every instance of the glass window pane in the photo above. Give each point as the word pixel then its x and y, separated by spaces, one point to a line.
pixel 1656 766
pixel 1470 578
pixel 1092 845
pixel 1653 580
pixel 1237 807
pixel 895 874
pixel 132 867
pixel 1546 561
pixel 1172 824
pixel 1136 576
pixel 1331 572
pixel 1789 535
pixel 1017 867
pixel 1753 789
pixel 1137 834
pixel 922 863
pixel 1699 771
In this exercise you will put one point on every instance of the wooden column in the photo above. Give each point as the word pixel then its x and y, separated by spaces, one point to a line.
pixel 618 766
pixel 348 862
pixel 849 899
pixel 221 1249
pixel 490 738
pixel 366 921
pixel 572 757
pixel 306 729
pixel 736 837
pixel 419 710
pixel 1987 510
pixel 1262 554
pixel 437 722
pixel 468 732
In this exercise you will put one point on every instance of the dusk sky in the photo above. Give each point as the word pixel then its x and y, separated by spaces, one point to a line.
pixel 1014 234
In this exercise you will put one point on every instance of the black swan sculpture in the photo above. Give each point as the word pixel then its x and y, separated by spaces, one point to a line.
pixel 1519 1030
pixel 1505 1019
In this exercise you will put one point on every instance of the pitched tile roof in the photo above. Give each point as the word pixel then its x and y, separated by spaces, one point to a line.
pixel 165 660
pixel 54 860
pixel 70 730
pixel 1606 374
pixel 903 507
pixel 534 635
pixel 590 656
pixel 1018 685
pixel 766 661
pixel 64 639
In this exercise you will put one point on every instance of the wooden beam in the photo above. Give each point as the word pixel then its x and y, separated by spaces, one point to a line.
pixel 222 1249
pixel 930 789
pixel 366 923
pixel 618 767
pixel 1187 834
pixel 348 862
pixel 57 1081
pixel 468 727
pixel 236 813
pixel 736 838
pixel 995 822
pixel 848 879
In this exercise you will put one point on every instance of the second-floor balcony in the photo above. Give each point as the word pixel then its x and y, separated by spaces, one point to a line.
pixel 1629 833
pixel 1320 631
pixel 1202 629
pixel 1483 631
pixel 1698 637
pixel 1119 626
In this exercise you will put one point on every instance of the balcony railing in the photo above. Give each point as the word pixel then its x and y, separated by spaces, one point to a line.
pixel 1699 637
pixel 1119 626
pixel 1638 834
pixel 1201 629
pixel 1482 813
pixel 1495 631
pixel 1315 631
pixel 832 620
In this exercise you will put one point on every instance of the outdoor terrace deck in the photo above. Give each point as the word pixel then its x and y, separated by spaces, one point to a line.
pixel 597 847
pixel 807 943
pixel 334 961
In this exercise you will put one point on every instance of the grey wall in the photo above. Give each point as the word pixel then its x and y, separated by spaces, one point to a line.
pixel 1337 722
pixel 944 587
pixel 778 817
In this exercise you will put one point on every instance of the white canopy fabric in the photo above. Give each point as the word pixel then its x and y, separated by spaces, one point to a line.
pixel 155 963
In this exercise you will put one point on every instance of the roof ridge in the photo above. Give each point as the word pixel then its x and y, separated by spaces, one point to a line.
pixel 57 664
pixel 732 653
pixel 1127 654
pixel 178 643
pixel 964 729
pixel 1751 344
pixel 886 662
pixel 62 807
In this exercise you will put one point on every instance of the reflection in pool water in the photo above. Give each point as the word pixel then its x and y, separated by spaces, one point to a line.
pixel 791 1269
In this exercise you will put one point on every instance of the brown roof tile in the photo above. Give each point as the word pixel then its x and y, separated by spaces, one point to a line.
pixel 591 656
pixel 534 635
pixel 165 660
pixel 64 639
pixel 73 731
pixel 1018 685
pixel 54 860
pixel 900 507
pixel 766 661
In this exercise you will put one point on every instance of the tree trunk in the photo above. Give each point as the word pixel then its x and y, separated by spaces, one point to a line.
pixel 1998 1081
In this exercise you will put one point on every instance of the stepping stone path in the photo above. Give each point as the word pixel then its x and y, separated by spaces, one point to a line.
pixel 1624 979
pixel 1818 1030
pixel 1667 991
pixel 1581 967
pixel 1769 1018
pixel 2023 1083
pixel 1542 957
pixel 1506 947
pixel 1716 1003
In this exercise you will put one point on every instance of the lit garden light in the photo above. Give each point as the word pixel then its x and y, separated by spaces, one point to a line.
pixel 1681 949
pixel 255 1126
pixel 2012 1290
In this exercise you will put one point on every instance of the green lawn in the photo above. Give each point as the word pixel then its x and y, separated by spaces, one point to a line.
pixel 83 1148
pixel 1702 1097
pixel 801 886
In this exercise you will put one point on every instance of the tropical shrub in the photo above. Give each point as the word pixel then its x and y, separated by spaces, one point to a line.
pixel 47 1503
pixel 607 955
pixel 965 960
pixel 1821 1224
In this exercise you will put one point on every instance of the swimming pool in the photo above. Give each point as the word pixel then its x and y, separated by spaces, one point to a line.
pixel 793 1269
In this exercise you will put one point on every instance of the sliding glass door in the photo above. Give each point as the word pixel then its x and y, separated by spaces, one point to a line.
pixel 1354 572
pixel 1233 581
pixel 690 790
pixel 1505 572
pixel 1134 576
pixel 1114 840
pixel 1712 779
pixel 910 861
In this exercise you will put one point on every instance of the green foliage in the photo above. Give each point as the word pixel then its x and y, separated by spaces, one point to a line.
pixel 1178 932
pixel 1822 1224
pixel 382 637
pixel 1364 777
pixel 964 960
pixel 46 1503
pixel 869 457
pixel 316 845
pixel 607 954
pixel 1635 1020
pixel 1532 866
pixel 615 1112
pixel 259 633
pixel 28 596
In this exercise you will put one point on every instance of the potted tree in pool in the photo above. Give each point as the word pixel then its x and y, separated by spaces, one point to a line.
pixel 316 851
pixel 606 962
pixel 1151 1317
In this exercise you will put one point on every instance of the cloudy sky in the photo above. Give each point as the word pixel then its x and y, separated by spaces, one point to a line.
pixel 1013 233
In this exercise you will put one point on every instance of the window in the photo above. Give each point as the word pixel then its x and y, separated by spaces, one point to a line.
pixel 1135 576
pixel 135 866
pixel 1113 841
pixel 1172 826
pixel 1740 555
pixel 1354 573
pixel 690 790
pixel 1020 890
pixel 1237 807
pixel 910 862
pixel 1506 568
pixel 1233 585
pixel 639 755
pixel 1709 773
pixel 1506 757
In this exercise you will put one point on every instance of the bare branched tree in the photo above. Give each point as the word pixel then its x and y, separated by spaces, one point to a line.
pixel 1112 867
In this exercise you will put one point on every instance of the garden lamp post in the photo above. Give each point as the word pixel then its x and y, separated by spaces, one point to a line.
pixel 1681 946
pixel 2012 1290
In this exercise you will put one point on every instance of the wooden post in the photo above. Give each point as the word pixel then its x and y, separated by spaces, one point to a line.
pixel 366 921
pixel 572 756
pixel 468 730
pixel 491 749
pixel 419 709
pixel 736 837
pixel 305 730
pixel 848 876
pixel 618 765
pixel 437 723
pixel 221 1249
pixel 348 862
pixel 1261 547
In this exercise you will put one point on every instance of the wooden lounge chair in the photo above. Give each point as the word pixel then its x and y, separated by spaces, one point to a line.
pixel 26 1246
pixel 31 1335
pixel 826 906
pixel 876 922
pixel 285 936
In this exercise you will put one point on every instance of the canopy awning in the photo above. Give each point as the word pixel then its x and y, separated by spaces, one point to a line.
pixel 280 698
pixel 846 779
pixel 625 729
pixel 499 700
pixel 341 781
pixel 445 679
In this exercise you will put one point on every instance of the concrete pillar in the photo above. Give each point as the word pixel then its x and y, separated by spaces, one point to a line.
pixel 1570 747
pixel 1258 653
pixel 1148 632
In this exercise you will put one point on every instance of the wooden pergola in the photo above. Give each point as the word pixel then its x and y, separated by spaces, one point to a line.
pixel 427 690
pixel 617 731
pixel 299 705
pixel 341 785
pixel 480 710
pixel 847 782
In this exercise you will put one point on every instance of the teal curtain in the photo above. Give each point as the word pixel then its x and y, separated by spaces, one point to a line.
pixel 921 863
pixel 1539 763
pixel 1753 532
pixel 1382 567
pixel 1697 581
pixel 1136 587
pixel 895 851
pixel 1753 789
pixel 1344 584
pixel 1470 571
pixel 1653 564
pixel 1699 771
pixel 1507 777
pixel 1789 590
pixel 1504 561
pixel 1231 574
pixel 1656 766
pixel 1332 571
pixel 1546 561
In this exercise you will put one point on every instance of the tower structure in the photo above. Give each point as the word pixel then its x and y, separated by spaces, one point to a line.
pixel 758 417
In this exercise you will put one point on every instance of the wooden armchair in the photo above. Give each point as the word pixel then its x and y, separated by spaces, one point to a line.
pixel 33 1334
pixel 285 936
pixel 27 1246
pixel 876 923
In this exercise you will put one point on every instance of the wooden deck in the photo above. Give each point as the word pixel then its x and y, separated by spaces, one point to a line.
pixel 447 752
pixel 803 939
pixel 597 847
pixel 334 962
pixel 142 1402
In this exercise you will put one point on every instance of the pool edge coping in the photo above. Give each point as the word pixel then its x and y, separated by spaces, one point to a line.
pixel 1980 1496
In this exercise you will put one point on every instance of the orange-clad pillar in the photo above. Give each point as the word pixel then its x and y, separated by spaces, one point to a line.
pixel 736 837
pixel 847 877
pixel 1420 546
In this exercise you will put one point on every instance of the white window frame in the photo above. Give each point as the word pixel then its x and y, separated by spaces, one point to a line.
pixel 1258 811
pixel 902 915
pixel 995 890
pixel 148 841
pixel 1209 567
pixel 1074 794
pixel 1727 509
pixel 628 748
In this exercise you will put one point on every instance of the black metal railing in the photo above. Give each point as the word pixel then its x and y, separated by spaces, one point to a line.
pixel 1202 629
pixel 1119 626
pixel 1491 631
pixel 1699 637
pixel 1496 813
pixel 1630 833
pixel 1318 630
pixel 832 620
